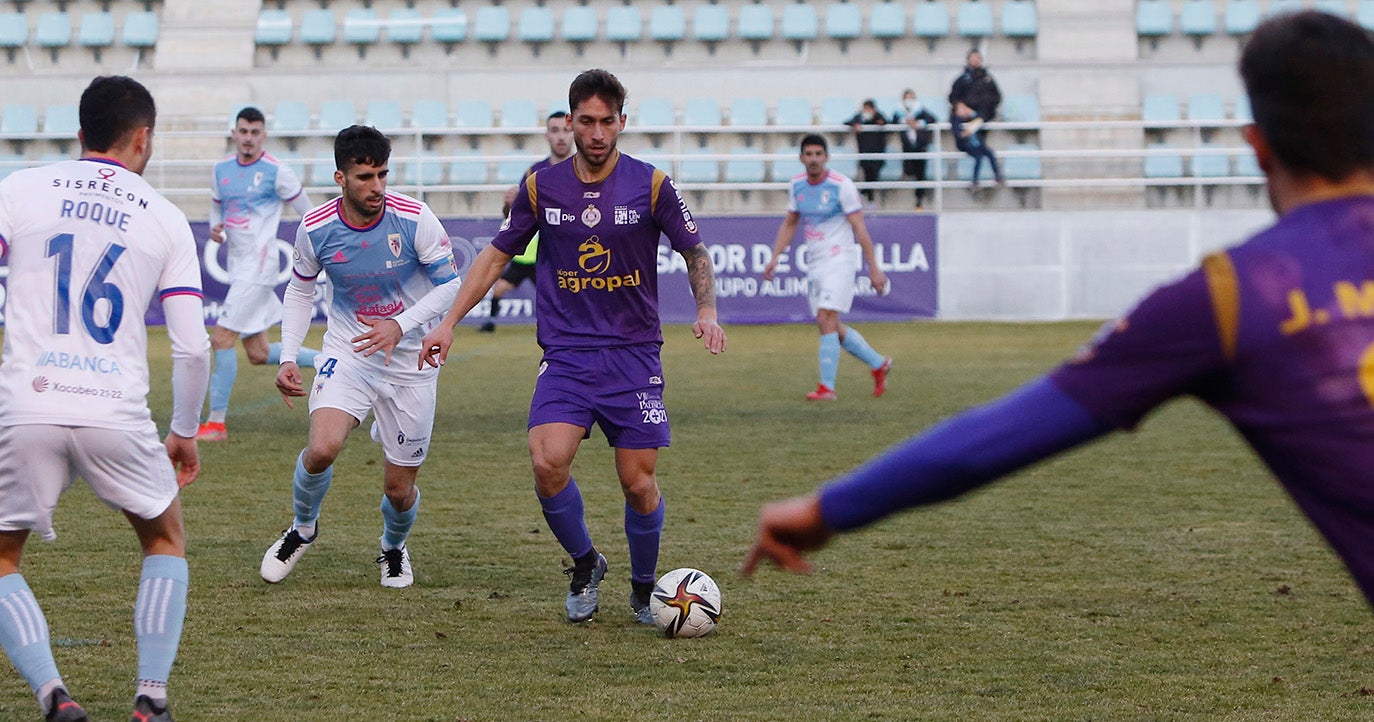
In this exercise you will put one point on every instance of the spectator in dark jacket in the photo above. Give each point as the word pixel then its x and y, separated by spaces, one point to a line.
pixel 916 137
pixel 976 89
pixel 869 141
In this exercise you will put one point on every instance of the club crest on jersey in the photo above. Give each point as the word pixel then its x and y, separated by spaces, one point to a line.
pixel 393 241
pixel 106 173
pixel 591 216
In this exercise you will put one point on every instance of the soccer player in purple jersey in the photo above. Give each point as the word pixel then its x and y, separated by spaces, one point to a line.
pixel 599 218
pixel 1277 334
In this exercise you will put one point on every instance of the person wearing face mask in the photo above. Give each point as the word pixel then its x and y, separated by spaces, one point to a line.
pixel 869 141
pixel 916 137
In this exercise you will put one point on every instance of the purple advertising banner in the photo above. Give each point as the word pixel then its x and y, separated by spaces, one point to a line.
pixel 740 247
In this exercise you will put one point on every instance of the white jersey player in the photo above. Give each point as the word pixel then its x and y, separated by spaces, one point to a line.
pixel 391 275
pixel 89 245
pixel 831 214
pixel 247 193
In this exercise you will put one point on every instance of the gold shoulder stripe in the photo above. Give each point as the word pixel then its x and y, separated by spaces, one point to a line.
pixel 654 186
pixel 1224 289
pixel 532 191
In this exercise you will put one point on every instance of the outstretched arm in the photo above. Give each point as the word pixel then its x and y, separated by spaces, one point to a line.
pixel 481 276
pixel 701 275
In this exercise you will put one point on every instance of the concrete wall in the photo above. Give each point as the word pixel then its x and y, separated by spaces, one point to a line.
pixel 1053 265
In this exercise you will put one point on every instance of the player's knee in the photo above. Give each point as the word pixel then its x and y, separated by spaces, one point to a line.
pixel 640 488
pixel 319 455
pixel 256 356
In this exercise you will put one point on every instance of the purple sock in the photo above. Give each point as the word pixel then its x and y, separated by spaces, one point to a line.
pixel 643 531
pixel 563 512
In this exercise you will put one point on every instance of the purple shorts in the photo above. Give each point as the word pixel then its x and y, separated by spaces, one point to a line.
pixel 618 388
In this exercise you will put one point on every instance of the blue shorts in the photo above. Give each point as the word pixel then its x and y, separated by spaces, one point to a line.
pixel 619 388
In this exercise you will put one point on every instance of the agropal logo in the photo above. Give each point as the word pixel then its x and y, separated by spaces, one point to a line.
pixel 595 257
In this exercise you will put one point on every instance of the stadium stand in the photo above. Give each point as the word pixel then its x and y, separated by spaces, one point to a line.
pixel 931 21
pixel 491 25
pixel 800 24
pixel 335 115
pixel 362 29
pixel 404 29
pixel 384 115
pixel 975 19
pixel 755 24
pixel 535 27
pixel 472 113
pixel 843 22
pixel 449 27
pixel 579 26
pixel 96 31
pixel 1154 19
pixel 710 25
pixel 887 22
pixel 53 32
pixel 1240 17
pixel 1197 19
pixel 430 113
pixel 318 29
pixel 1364 14
pixel 14 33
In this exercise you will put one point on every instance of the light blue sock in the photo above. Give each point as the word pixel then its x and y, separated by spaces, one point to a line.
pixel 308 492
pixel 855 344
pixel 305 358
pixel 396 524
pixel 829 357
pixel 24 633
pixel 158 615
pixel 274 354
pixel 222 378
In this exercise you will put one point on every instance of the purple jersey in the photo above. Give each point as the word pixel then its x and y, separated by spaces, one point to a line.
pixel 1278 335
pixel 597 270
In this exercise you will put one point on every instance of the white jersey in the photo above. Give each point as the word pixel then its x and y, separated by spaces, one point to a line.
pixel 824 209
pixel 382 271
pixel 248 201
pixel 89 244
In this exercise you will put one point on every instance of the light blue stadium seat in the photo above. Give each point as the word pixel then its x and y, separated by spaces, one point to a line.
pixel 887 21
pixel 291 159
pixel 624 24
pixel 843 163
pixel 11 162
pixel 748 111
pixel 1206 106
pixel 1159 109
pixel 699 170
pixel 19 119
pixel 560 103
pixel 1247 165
pixel 384 115
pixel 702 112
pixel 836 110
pixel 405 27
pixel 755 23
pixel 975 19
pixel 54 31
pixel 667 23
pixel 1021 109
pixel 655 158
pixel 290 116
pixel 1364 14
pixel 472 113
pixel 655 112
pixel 511 168
pixel 579 24
pixel 519 113
pixel 322 173
pixel 97 32
pixel 1334 7
pixel 1028 167
pixel 273 29
pixel 14 32
pixel 449 26
pixel 1019 20
pixel 491 24
pixel 536 25
pixel 141 29
pixel 800 23
pixel 1154 19
pixel 61 120
pixel 337 114
pixel 1165 165
pixel 467 171
pixel 843 22
pixel 1209 166
pixel 1240 17
pixel 1241 110
pixel 318 28
pixel 938 105
pixel 362 27
pixel 794 111
pixel 425 170
pixel 1279 7
pixel 1198 19
pixel 710 23
pixel 744 170
pixel 930 21
pixel 429 113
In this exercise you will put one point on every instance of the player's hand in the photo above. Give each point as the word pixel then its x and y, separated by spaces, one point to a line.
pixel 710 330
pixel 385 333
pixel 435 345
pixel 786 529
pixel 217 233
pixel 769 269
pixel 185 456
pixel 879 280
pixel 289 383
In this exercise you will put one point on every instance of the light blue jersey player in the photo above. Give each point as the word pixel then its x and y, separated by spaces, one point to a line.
pixel 391 275
pixel 246 198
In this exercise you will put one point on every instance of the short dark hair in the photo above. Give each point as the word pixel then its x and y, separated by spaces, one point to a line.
pixel 599 84
pixel 360 145
pixel 815 139
pixel 1310 79
pixel 250 114
pixel 112 107
pixel 556 114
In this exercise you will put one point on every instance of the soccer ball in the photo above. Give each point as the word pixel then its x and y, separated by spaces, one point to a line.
pixel 685 603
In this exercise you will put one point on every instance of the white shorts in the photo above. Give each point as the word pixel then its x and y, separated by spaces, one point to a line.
pixel 405 414
pixel 250 308
pixel 831 286
pixel 128 470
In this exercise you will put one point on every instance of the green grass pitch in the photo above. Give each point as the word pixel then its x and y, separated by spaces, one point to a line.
pixel 1160 575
